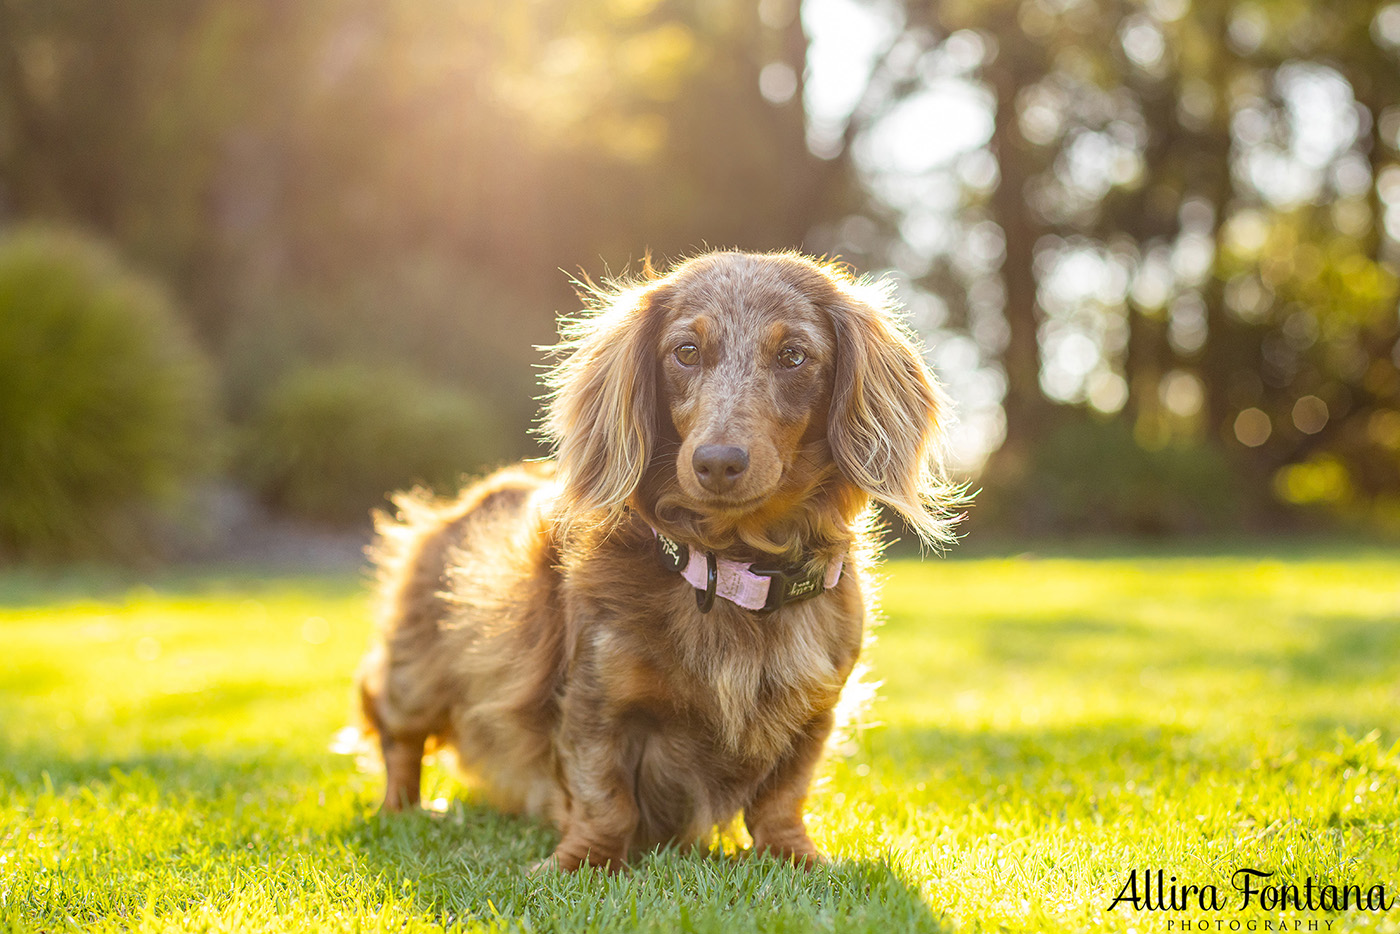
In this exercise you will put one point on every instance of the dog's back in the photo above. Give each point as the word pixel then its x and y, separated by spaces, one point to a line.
pixel 461 584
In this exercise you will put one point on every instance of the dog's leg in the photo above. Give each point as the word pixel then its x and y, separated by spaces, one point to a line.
pixel 402 751
pixel 403 770
pixel 599 766
pixel 774 816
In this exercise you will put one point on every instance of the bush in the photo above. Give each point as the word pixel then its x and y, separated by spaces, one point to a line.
pixel 330 442
pixel 452 322
pixel 105 403
pixel 1090 475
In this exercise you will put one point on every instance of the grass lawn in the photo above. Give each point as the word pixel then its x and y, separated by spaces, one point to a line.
pixel 1045 726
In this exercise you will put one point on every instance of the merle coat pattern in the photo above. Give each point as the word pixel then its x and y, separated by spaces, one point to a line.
pixel 754 406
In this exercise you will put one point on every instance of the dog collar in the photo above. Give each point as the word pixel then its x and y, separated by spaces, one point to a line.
pixel 753 587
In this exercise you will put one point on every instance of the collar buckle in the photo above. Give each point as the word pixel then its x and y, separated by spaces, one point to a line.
pixel 786 586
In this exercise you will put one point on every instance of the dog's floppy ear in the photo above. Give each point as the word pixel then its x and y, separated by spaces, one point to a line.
pixel 886 421
pixel 602 413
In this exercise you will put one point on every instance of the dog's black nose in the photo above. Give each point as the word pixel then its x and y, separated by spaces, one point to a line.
pixel 719 466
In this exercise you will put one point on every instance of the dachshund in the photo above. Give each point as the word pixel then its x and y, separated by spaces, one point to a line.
pixel 650 635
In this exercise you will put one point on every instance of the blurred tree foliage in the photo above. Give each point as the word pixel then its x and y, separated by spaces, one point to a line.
pixel 1184 214
pixel 1190 219
pixel 341 179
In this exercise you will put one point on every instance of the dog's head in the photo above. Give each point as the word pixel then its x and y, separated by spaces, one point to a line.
pixel 736 391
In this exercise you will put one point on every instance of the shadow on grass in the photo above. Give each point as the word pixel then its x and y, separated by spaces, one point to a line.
pixel 473 865
pixel 1066 760
pixel 1340 645
pixel 44 588
pixel 28 771
pixel 218 702
pixel 252 818
pixel 983 544
pixel 1347 646
pixel 1133 770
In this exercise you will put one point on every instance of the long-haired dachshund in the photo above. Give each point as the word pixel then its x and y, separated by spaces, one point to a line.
pixel 651 634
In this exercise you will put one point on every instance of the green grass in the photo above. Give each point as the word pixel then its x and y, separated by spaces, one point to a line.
pixel 1045 726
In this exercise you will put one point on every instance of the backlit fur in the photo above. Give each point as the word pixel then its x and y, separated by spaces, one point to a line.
pixel 527 624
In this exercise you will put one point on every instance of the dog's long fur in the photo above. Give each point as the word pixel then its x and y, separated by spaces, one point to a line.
pixel 528 625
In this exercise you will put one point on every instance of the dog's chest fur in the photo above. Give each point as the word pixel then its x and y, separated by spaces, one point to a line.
pixel 743 684
pixel 768 673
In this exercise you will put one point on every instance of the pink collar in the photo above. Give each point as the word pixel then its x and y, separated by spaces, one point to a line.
pixel 753 587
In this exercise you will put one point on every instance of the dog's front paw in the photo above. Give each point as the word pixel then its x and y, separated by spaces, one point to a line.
pixel 810 859
pixel 544 866
pixel 801 853
pixel 568 858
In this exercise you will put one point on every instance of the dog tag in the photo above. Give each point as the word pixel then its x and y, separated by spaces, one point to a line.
pixel 673 555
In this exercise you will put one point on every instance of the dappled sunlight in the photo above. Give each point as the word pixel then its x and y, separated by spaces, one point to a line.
pixel 1237 708
pixel 217 673
pixel 1042 726
pixel 1184 642
pixel 262 264
pixel 1178 220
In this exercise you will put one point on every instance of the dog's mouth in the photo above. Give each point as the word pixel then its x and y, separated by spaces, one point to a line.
pixel 730 504
pixel 736 503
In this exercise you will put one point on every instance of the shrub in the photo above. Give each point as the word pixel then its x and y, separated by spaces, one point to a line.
pixel 105 403
pixel 330 442
pixel 452 322
pixel 1089 475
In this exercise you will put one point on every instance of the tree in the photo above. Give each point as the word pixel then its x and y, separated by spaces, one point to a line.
pixel 332 179
pixel 1150 149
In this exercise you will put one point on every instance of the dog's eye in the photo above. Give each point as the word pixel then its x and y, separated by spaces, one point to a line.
pixel 791 357
pixel 687 355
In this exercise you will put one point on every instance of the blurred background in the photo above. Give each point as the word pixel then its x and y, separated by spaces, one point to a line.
pixel 262 261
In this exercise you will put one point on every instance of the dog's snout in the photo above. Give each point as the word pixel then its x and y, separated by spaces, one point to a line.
pixel 719 466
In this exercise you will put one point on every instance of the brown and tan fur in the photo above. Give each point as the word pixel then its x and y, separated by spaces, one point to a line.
pixel 528 625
